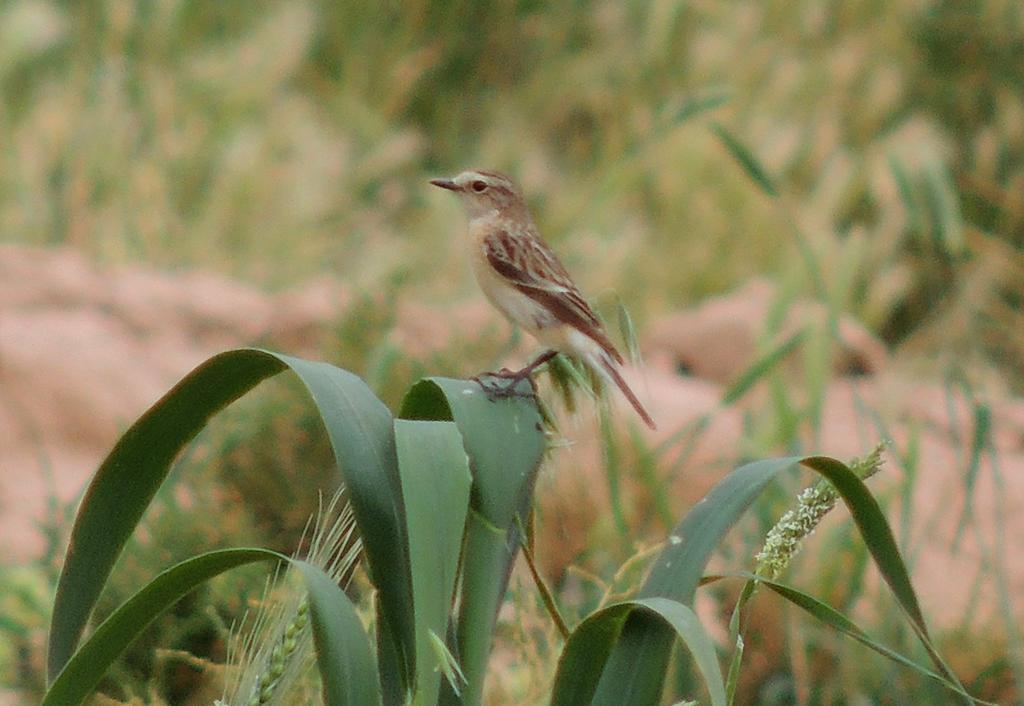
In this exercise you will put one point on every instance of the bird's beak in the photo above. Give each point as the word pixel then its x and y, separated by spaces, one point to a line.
pixel 446 184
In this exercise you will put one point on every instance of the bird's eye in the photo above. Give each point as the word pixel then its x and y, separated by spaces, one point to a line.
pixel 479 186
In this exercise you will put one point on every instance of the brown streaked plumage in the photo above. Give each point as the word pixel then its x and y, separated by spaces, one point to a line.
pixel 532 268
pixel 524 279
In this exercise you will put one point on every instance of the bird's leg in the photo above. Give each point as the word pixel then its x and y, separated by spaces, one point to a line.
pixel 529 369
pixel 512 378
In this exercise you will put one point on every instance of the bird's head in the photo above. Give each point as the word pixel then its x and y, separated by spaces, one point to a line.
pixel 483 192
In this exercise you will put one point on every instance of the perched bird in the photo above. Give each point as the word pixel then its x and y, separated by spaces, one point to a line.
pixel 521 276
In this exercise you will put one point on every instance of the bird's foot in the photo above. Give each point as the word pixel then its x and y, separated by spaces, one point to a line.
pixel 510 379
pixel 504 384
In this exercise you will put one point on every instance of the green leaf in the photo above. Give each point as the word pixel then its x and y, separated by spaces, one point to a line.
pixel 360 429
pixel 874 529
pixel 627 330
pixel 129 477
pixel 486 566
pixel 590 645
pixel 504 440
pixel 878 537
pixel 732 681
pixel 836 620
pixel 751 164
pixel 343 649
pixel 644 646
pixel 677 571
pixel 503 437
pixel 435 481
pixel 343 654
pixel 448 665
pixel 82 672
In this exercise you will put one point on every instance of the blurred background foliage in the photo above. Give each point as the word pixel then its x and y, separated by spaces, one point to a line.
pixel 275 141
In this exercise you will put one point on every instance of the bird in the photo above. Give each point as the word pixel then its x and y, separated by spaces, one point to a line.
pixel 524 279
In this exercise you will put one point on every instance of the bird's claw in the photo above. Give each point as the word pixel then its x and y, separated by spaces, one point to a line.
pixel 504 384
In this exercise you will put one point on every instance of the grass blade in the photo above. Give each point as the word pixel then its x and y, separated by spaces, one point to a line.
pixel 878 538
pixel 873 528
pixel 694 106
pixel 979 442
pixel 751 164
pixel 761 367
pixel 906 191
pixel 943 201
pixel 836 620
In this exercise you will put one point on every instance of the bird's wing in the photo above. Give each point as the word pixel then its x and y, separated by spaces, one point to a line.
pixel 530 266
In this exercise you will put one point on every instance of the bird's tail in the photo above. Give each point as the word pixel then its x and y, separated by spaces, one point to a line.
pixel 604 364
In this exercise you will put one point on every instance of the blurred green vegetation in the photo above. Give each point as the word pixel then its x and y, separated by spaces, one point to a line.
pixel 277 140
pixel 273 140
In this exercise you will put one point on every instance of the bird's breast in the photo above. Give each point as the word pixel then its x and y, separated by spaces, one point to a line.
pixel 517 307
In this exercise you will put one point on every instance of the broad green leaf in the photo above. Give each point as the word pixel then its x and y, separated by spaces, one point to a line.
pixel 677 571
pixel 486 565
pixel 504 440
pixel 82 672
pixel 435 482
pixel 751 164
pixel 360 429
pixel 343 653
pixel 129 477
pixel 343 648
pixel 644 647
pixel 591 643
pixel 503 437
